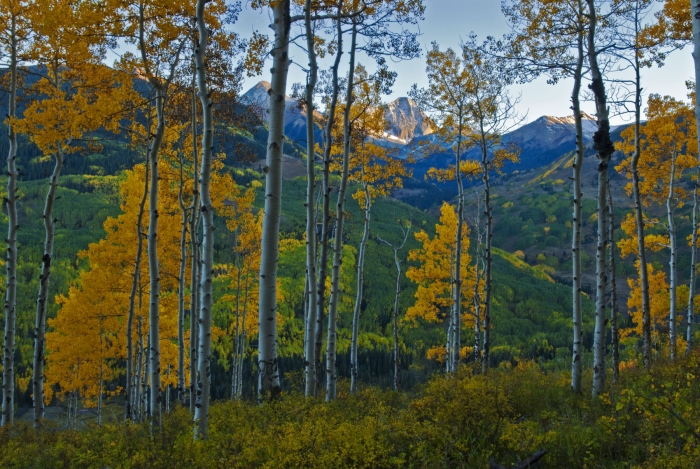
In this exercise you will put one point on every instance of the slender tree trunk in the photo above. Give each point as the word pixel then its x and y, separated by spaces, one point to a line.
pixel 181 386
pixel 201 413
pixel 326 218
pixel 577 353
pixel 101 381
pixel 486 348
pixel 358 297
pixel 396 320
pixel 331 372
pixel 268 366
pixel 672 260
pixel 153 265
pixel 693 261
pixel 237 332
pixel 146 381
pixel 599 370
pixel 455 346
pixel 241 344
pixel 129 411
pixel 605 148
pixel 639 218
pixel 614 331
pixel 139 369
pixel 194 247
pixel 42 300
pixel 8 373
pixel 310 312
pixel 695 16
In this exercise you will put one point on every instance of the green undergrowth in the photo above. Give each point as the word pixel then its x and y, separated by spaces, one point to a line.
pixel 647 420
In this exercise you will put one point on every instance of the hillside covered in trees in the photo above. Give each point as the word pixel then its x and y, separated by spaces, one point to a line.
pixel 210 265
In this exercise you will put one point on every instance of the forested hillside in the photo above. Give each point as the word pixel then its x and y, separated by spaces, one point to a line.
pixel 228 247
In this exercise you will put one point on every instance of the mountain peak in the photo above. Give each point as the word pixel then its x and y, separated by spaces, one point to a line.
pixel 405 120
pixel 567 120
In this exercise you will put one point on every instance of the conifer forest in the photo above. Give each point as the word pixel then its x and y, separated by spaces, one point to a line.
pixel 337 234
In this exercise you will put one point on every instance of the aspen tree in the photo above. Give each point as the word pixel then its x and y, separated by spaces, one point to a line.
pixel 268 365
pixel 631 50
pixel 77 95
pixel 695 15
pixel 326 207
pixel 129 402
pixel 664 137
pixel 674 24
pixel 614 326
pixel 310 313
pixel 16 32
pixel 378 173
pixel 395 319
pixel 374 22
pixel 548 38
pixel 184 212
pixel 201 413
pixel 448 97
pixel 491 111
pixel 331 372
pixel 158 29
pixel 194 254
pixel 246 229
pixel 605 148
pixel 690 315
pixel 435 275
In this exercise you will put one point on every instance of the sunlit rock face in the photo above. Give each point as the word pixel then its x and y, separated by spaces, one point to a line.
pixel 405 121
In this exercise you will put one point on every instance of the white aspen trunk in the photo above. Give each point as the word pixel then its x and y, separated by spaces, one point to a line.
pixel 310 313
pixel 577 350
pixel 476 298
pixel 325 220
pixel 672 260
pixel 331 375
pixel 146 379
pixel 605 149
pixel 358 297
pixel 477 318
pixel 129 401
pixel 268 366
pixel 76 396
pixel 237 332
pixel 8 362
pixel 41 304
pixel 614 332
pixel 601 276
pixel 693 261
pixel 101 383
pixel 241 343
pixel 167 393
pixel 139 369
pixel 201 412
pixel 639 215
pixel 486 348
pixel 181 293
pixel 99 398
pixel 153 264
pixel 695 16
pixel 396 320
pixel 194 249
pixel 456 319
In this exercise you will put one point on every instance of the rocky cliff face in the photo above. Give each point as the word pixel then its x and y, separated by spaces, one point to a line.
pixel 405 121
pixel 294 117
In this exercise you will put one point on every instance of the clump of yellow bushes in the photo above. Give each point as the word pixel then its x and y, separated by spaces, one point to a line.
pixel 467 420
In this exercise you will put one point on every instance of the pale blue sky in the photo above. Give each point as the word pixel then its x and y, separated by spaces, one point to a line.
pixel 446 21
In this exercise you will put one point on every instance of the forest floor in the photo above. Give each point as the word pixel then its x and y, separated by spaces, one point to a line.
pixel 467 420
